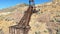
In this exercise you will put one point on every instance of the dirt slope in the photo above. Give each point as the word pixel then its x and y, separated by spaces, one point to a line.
pixel 46 21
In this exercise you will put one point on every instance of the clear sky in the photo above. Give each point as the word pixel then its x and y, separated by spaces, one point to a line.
pixel 9 3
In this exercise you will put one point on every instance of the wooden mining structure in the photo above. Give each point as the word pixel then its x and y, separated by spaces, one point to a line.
pixel 23 26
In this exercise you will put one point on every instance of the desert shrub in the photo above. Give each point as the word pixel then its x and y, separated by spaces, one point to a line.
pixel 45 31
pixel 57 15
pixel 1 32
pixel 2 17
pixel 51 20
pixel 41 12
pixel 54 6
pixel 9 19
pixel 38 12
pixel 57 20
pixel 37 32
pixel 58 31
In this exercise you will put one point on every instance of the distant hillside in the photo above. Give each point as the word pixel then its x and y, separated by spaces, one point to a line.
pixel 46 21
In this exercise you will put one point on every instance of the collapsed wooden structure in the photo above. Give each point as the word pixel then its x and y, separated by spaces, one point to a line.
pixel 23 26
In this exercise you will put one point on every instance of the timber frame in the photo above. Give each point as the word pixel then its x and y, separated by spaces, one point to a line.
pixel 23 26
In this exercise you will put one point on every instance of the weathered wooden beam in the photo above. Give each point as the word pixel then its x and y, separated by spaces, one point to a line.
pixel 19 30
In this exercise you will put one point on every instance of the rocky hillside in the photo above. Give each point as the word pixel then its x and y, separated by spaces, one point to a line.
pixel 46 21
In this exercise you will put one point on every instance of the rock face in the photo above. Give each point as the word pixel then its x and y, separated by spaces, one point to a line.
pixel 46 21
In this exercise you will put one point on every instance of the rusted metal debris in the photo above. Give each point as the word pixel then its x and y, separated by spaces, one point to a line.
pixel 23 26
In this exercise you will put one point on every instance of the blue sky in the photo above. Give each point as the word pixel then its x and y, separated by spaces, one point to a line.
pixel 9 3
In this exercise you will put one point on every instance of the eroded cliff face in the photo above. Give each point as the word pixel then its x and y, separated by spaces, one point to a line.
pixel 46 21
